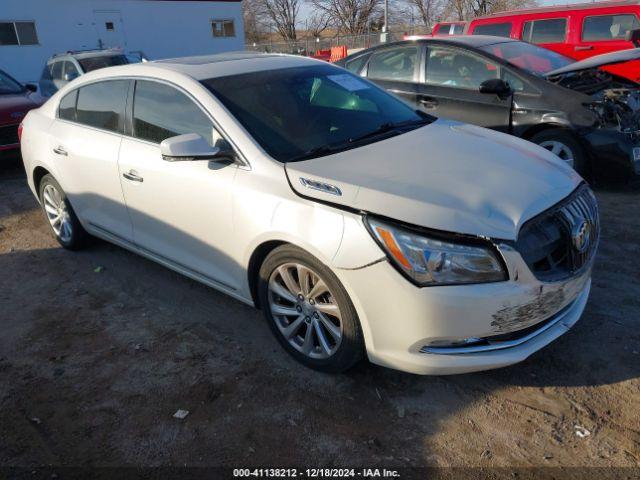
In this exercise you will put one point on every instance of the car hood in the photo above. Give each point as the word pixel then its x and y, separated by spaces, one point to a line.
pixel 597 61
pixel 14 107
pixel 446 176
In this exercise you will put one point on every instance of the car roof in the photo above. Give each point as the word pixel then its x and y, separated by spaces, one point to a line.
pixel 562 8
pixel 80 54
pixel 474 41
pixel 232 63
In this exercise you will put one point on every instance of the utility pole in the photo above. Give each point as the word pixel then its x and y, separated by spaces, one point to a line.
pixel 385 27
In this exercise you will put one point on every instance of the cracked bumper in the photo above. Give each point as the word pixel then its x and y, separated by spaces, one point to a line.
pixel 399 319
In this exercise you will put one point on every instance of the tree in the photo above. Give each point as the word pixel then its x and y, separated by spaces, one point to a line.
pixel 255 28
pixel 282 15
pixel 317 23
pixel 351 16
pixel 429 11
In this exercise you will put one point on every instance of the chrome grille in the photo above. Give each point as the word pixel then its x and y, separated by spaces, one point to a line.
pixel 562 240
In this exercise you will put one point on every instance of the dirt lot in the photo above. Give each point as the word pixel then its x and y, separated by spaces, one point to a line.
pixel 93 364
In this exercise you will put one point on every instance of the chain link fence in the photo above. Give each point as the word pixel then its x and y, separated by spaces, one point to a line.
pixel 308 46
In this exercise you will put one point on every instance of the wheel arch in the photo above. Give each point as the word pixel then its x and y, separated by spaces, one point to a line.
pixel 255 262
pixel 38 174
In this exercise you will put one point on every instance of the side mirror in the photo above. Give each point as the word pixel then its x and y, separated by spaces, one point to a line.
pixel 70 76
pixel 187 147
pixel 633 36
pixel 31 87
pixel 496 86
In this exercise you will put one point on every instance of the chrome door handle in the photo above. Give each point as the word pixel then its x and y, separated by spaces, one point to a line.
pixel 134 177
pixel 583 47
pixel 60 151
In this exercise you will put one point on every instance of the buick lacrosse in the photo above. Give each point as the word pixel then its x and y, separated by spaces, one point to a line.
pixel 359 225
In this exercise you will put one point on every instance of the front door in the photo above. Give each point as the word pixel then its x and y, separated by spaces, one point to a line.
pixel 451 88
pixel 110 29
pixel 181 211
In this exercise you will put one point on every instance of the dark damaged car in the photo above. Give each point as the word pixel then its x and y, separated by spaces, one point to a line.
pixel 588 117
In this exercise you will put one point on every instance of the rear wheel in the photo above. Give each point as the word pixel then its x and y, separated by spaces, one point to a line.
pixel 565 146
pixel 58 211
pixel 309 311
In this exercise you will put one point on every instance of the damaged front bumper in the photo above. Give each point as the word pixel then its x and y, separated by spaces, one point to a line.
pixel 465 328
pixel 614 152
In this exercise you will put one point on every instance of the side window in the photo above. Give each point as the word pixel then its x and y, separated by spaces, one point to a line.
pixel 515 82
pixel 355 65
pixel 56 70
pixel 69 71
pixel 67 107
pixel 102 105
pixel 458 69
pixel 394 64
pixel 495 29
pixel 608 27
pixel 458 29
pixel 553 30
pixel 161 112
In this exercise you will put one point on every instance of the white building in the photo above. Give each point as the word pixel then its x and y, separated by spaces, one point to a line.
pixel 31 31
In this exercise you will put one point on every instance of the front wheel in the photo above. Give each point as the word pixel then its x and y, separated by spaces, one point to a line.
pixel 62 219
pixel 565 146
pixel 309 311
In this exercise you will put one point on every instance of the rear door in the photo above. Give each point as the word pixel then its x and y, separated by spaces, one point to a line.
pixel 604 33
pixel 85 142
pixel 450 88
pixel 396 69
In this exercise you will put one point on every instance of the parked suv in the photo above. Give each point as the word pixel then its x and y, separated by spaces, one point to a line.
pixel 357 223
pixel 65 67
pixel 577 31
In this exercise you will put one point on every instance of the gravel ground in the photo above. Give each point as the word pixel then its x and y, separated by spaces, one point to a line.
pixel 94 363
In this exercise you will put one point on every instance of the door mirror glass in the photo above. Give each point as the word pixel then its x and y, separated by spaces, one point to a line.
pixel 188 147
pixel 496 86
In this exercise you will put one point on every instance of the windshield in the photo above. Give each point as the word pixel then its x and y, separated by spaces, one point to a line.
pixel 305 112
pixel 8 85
pixel 95 63
pixel 536 60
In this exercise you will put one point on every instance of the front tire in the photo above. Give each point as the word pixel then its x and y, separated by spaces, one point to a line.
pixel 564 145
pixel 60 215
pixel 309 311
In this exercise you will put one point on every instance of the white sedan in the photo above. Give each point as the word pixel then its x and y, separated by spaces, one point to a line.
pixel 357 224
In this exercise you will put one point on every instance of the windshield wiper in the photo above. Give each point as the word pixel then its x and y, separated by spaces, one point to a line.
pixel 390 127
pixel 382 129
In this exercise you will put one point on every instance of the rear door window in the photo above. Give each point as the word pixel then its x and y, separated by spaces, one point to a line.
pixel 608 27
pixel 394 64
pixel 552 30
pixel 102 105
pixel 494 29
pixel 67 107
pixel 355 65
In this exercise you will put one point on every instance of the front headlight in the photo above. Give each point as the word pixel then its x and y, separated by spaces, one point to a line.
pixel 432 261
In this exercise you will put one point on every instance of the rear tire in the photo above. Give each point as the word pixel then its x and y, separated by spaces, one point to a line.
pixel 566 146
pixel 309 311
pixel 60 215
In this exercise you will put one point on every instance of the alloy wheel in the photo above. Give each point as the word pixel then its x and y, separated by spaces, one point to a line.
pixel 57 213
pixel 559 149
pixel 305 310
